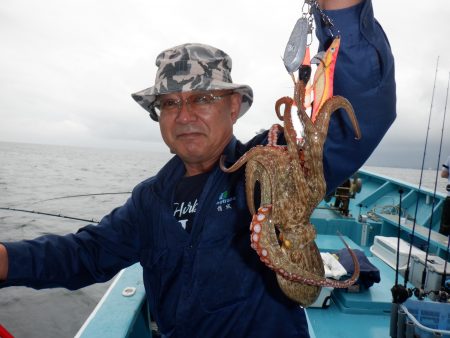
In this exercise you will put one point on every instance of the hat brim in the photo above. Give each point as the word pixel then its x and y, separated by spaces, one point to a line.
pixel 146 97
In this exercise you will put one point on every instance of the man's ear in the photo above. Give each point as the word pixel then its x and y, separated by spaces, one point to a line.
pixel 236 100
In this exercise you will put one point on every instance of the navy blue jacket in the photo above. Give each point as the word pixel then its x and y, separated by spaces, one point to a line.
pixel 210 283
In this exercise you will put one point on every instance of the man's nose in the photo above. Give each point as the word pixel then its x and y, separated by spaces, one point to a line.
pixel 185 114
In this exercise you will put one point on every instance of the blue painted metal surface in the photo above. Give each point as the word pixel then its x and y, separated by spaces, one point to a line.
pixel 350 315
pixel 118 315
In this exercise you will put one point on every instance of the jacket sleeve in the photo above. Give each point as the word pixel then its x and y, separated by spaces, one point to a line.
pixel 94 254
pixel 364 74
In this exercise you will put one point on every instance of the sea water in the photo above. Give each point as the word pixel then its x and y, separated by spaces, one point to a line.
pixel 65 180
pixel 42 178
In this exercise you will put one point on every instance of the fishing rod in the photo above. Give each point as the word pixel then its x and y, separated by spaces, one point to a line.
pixel 400 192
pixel 422 285
pixel 62 197
pixel 444 276
pixel 421 177
pixel 49 214
pixel 400 293
pixel 83 195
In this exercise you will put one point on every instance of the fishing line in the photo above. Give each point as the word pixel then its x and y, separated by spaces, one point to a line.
pixel 49 214
pixel 84 195
pixel 421 177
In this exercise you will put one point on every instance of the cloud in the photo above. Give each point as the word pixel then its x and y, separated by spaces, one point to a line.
pixel 67 69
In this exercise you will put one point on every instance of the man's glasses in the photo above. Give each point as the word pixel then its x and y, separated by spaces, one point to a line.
pixel 198 103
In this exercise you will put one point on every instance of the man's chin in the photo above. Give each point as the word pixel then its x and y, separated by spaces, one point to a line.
pixel 189 150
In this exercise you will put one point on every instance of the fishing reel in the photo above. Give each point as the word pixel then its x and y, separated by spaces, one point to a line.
pixel 420 293
pixel 400 293
pixel 442 295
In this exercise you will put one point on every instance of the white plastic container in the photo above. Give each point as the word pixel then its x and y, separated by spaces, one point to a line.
pixel 435 270
pixel 385 248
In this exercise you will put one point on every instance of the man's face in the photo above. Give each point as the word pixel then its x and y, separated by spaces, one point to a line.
pixel 198 132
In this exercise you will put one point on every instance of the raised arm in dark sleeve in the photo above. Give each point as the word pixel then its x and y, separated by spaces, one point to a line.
pixel 364 74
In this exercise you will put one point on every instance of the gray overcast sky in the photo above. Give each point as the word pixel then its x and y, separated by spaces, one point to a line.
pixel 67 68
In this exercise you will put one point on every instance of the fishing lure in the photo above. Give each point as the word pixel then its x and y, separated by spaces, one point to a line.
pixel 324 76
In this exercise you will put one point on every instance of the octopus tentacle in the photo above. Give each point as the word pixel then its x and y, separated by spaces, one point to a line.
pixel 273 134
pixel 256 172
pixel 289 134
pixel 265 242
pixel 330 106
pixel 249 155
pixel 320 129
pixel 287 101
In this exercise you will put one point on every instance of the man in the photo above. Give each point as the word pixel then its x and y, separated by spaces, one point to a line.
pixel 445 219
pixel 188 225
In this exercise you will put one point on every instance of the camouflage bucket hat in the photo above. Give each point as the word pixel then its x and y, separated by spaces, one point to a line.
pixel 192 67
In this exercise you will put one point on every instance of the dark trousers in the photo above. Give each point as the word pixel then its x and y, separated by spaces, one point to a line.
pixel 445 219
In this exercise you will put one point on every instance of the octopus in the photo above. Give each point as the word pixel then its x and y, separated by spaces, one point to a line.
pixel 288 183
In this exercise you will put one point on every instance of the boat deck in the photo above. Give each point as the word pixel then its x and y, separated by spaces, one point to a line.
pixel 328 323
pixel 371 305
